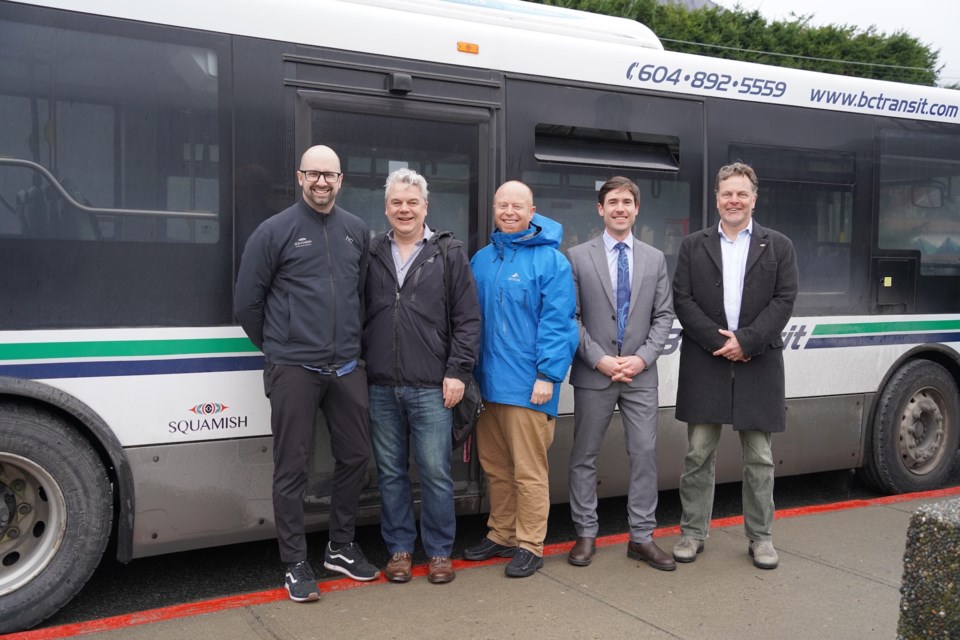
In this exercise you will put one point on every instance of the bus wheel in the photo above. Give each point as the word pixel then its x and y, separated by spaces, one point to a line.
pixel 915 430
pixel 56 510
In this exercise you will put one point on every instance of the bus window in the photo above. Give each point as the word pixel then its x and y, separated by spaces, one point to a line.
pixel 808 196
pixel 569 196
pixel 126 130
pixel 114 183
pixel 919 198
pixel 565 142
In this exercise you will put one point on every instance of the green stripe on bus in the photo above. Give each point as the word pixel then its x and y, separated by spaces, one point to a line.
pixel 885 327
pixel 123 348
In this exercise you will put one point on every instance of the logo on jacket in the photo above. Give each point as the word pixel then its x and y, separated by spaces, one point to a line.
pixel 303 242
pixel 514 278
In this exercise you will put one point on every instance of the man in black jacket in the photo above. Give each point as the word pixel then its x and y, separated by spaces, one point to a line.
pixel 298 298
pixel 733 293
pixel 417 363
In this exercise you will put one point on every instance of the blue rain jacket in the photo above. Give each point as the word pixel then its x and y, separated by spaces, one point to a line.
pixel 527 302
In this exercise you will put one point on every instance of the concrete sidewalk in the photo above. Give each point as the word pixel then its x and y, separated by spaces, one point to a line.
pixel 839 578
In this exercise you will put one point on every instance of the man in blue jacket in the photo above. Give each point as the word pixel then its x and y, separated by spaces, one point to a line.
pixel 298 298
pixel 528 338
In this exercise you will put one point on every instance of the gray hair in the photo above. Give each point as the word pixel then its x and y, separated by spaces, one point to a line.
pixel 737 169
pixel 406 177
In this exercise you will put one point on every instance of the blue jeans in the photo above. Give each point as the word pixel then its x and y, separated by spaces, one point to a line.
pixel 400 416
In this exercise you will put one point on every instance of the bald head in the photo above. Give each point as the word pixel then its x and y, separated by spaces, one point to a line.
pixel 320 191
pixel 513 207
pixel 320 154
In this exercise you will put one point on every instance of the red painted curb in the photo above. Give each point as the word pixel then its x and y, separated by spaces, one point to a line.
pixel 343 584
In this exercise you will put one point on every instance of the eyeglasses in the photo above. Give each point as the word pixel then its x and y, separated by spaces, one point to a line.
pixel 328 176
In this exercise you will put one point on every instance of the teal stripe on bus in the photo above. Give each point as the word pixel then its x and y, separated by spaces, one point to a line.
pixel 124 348
pixel 886 327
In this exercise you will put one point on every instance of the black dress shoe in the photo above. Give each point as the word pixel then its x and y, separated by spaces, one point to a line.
pixel 650 553
pixel 582 552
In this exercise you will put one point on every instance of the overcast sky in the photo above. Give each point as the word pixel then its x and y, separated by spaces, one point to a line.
pixel 936 23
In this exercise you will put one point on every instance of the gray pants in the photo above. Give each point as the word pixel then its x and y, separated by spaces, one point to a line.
pixel 592 414
pixel 697 482
pixel 295 395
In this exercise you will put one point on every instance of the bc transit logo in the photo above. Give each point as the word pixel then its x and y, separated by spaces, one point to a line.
pixel 208 408
pixel 793 339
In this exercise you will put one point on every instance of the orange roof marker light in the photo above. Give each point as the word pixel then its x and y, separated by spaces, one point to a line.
pixel 468 47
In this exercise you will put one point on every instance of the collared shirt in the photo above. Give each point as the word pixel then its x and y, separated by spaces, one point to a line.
pixel 734 268
pixel 613 254
pixel 401 265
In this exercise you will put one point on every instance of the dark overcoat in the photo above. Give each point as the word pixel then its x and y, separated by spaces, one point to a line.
pixel 748 395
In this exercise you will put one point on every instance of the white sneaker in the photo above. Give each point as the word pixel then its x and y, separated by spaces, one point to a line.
pixel 686 549
pixel 764 555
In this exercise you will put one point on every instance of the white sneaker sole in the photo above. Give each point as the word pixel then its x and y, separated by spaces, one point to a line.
pixel 346 572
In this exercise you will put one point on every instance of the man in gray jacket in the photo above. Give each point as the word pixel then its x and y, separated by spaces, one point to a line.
pixel 624 312
pixel 298 298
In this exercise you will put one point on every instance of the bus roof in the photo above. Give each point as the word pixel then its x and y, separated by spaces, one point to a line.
pixel 539 40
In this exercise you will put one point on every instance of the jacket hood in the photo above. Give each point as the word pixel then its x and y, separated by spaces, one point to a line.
pixel 542 231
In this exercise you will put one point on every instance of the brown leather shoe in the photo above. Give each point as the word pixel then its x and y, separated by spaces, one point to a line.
pixel 650 553
pixel 441 570
pixel 399 567
pixel 582 552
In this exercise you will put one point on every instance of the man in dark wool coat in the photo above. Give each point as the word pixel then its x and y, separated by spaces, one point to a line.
pixel 733 293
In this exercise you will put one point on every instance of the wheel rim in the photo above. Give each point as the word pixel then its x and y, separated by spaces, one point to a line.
pixel 923 431
pixel 36 524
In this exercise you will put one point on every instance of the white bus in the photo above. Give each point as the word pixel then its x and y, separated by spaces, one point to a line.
pixel 141 143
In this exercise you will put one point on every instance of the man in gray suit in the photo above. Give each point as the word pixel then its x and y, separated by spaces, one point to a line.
pixel 625 311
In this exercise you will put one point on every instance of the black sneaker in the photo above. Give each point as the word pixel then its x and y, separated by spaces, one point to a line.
pixel 488 549
pixel 300 582
pixel 350 561
pixel 524 564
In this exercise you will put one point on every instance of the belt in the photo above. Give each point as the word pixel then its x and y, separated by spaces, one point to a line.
pixel 338 370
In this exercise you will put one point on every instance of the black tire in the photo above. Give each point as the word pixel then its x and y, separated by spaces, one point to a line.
pixel 916 430
pixel 57 502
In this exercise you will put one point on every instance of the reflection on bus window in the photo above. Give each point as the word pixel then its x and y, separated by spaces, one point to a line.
pixel 372 146
pixel 808 196
pixel 919 199
pixel 120 124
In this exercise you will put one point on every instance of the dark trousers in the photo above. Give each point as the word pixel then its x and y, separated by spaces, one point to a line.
pixel 295 393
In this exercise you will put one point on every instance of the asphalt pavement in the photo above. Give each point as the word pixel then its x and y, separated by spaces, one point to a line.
pixel 839 577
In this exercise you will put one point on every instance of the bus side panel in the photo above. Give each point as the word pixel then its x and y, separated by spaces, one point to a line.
pixel 823 434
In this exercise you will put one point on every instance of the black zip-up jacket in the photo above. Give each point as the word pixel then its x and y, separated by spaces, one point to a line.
pixel 406 340
pixel 300 286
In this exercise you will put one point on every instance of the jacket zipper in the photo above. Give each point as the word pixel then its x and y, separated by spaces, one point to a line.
pixel 333 287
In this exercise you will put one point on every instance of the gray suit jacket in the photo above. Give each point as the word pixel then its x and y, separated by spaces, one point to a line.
pixel 648 322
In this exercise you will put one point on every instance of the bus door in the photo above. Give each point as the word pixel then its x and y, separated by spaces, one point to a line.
pixel 380 119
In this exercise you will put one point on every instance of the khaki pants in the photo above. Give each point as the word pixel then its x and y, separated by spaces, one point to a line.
pixel 512 443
